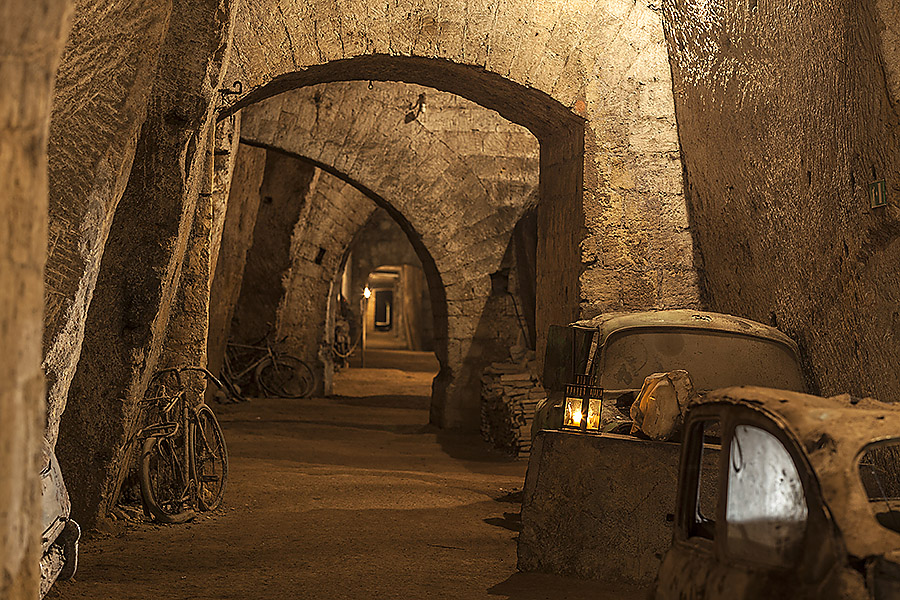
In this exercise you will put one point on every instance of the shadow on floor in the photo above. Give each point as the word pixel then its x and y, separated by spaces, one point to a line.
pixel 404 360
pixel 542 586
pixel 469 447
pixel 513 497
pixel 279 425
pixel 509 520
pixel 385 401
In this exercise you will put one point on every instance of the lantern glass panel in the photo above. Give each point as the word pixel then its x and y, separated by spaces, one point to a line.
pixel 573 416
pixel 593 416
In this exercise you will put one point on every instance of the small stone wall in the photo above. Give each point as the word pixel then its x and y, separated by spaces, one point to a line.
pixel 510 392
pixel 599 507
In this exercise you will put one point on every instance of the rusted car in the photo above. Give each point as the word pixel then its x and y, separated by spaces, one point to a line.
pixel 59 540
pixel 615 352
pixel 807 502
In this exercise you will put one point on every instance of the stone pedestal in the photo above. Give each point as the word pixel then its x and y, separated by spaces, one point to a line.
pixel 600 507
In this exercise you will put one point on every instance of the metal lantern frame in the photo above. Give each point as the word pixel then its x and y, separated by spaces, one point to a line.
pixel 591 404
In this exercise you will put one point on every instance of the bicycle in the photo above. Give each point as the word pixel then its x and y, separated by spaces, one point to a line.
pixel 341 348
pixel 184 460
pixel 275 374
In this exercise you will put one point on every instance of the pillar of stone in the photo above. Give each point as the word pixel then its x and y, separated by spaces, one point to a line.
pixel 32 33
pixel 237 236
pixel 104 80
pixel 143 260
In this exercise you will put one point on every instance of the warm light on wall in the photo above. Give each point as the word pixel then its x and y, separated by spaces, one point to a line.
pixel 367 293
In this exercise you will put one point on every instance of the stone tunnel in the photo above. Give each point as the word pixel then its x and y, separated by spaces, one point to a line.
pixel 404 197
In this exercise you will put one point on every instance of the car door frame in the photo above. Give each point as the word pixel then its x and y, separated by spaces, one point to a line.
pixel 812 568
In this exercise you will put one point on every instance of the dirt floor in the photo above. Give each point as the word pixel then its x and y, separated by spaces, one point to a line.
pixel 353 496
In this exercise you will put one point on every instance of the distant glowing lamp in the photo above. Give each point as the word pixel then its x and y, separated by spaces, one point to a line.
pixel 582 406
pixel 363 309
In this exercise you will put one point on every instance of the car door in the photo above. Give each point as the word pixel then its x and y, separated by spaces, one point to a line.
pixel 758 529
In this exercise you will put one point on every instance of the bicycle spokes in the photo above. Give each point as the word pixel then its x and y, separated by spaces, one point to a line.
pixel 184 462
pixel 167 478
pixel 211 459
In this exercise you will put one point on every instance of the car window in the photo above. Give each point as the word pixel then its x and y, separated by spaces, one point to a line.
pixel 878 469
pixel 713 359
pixel 766 510
pixel 704 488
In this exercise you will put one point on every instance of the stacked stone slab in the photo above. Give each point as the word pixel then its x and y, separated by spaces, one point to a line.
pixel 510 392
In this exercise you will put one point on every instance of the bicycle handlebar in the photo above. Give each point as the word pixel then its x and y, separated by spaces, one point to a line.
pixel 178 370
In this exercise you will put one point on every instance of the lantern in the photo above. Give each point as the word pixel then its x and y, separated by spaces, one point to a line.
pixel 582 405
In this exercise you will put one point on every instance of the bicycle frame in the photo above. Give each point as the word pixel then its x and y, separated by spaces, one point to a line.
pixel 266 352
pixel 172 428
pixel 182 425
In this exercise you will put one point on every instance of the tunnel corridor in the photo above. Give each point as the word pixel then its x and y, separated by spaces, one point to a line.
pixel 347 497
pixel 388 209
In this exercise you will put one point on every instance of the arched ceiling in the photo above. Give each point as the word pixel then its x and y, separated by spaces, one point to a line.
pixel 460 174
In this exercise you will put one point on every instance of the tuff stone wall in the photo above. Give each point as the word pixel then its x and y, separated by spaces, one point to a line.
pixel 283 192
pixel 787 112
pixel 459 218
pixel 225 153
pixel 99 103
pixel 333 212
pixel 592 82
pixel 32 34
pixel 142 262
pixel 585 512
pixel 237 237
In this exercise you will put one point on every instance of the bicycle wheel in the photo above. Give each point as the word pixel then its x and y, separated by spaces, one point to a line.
pixel 285 377
pixel 210 459
pixel 163 489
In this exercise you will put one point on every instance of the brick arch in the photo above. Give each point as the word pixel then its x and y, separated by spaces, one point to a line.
pixel 559 130
pixel 459 221
pixel 592 81
pixel 460 215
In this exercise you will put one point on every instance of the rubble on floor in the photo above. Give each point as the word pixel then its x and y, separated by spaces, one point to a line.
pixel 510 392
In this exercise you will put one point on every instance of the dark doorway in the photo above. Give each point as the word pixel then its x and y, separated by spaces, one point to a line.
pixel 384 301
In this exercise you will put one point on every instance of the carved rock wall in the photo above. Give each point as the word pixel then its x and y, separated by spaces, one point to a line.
pixel 786 115
pixel 32 34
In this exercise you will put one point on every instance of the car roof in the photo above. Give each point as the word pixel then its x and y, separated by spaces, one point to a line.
pixel 832 433
pixel 613 322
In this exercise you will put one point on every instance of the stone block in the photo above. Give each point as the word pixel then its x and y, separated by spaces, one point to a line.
pixel 600 507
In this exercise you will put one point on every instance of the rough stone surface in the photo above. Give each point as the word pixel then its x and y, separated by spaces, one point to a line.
pixel 237 236
pixel 188 326
pixel 779 168
pixel 141 265
pixel 225 154
pixel 459 218
pixel 591 81
pixel 283 194
pixel 333 212
pixel 585 513
pixel 99 103
pixel 510 392
pixel 32 34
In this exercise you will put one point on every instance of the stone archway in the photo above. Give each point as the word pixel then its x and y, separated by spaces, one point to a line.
pixel 591 81
pixel 559 131
pixel 459 220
